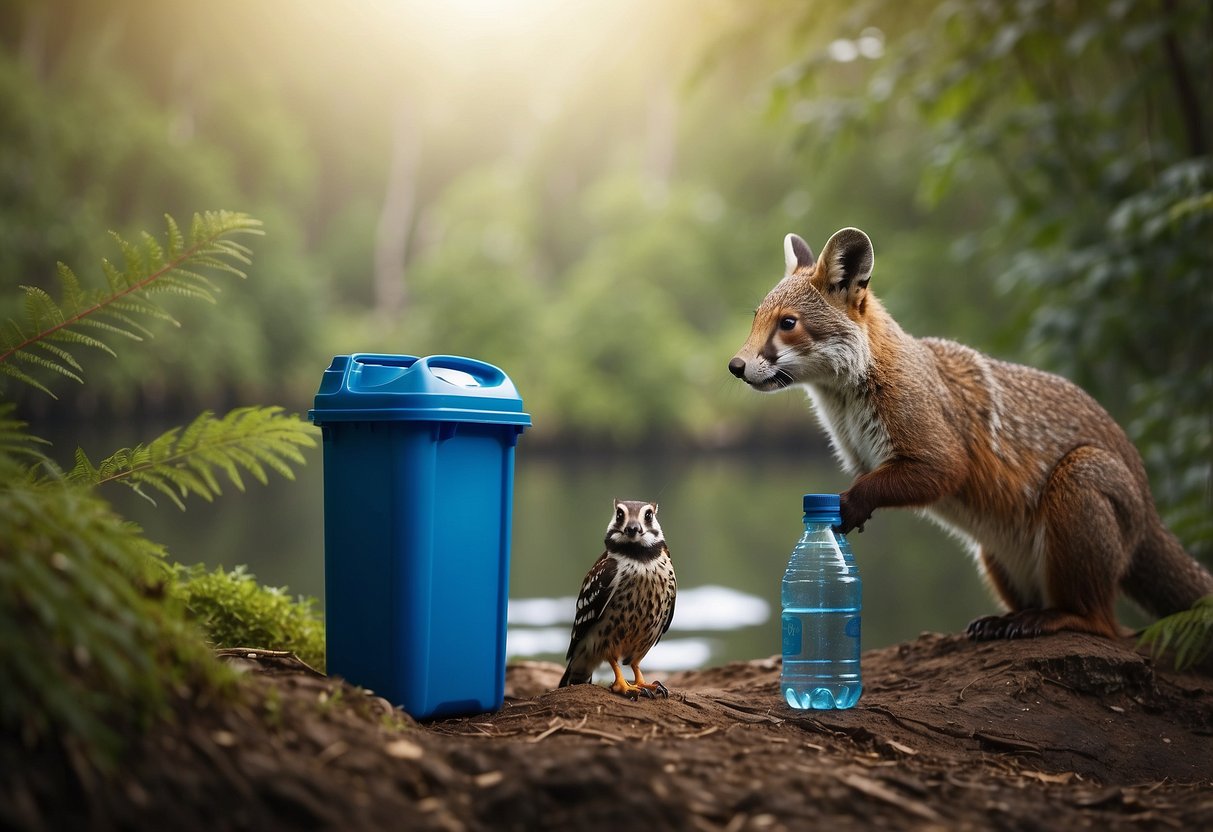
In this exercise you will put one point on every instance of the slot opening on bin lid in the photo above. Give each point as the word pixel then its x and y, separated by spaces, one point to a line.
pixel 378 370
pixel 448 388
pixel 457 377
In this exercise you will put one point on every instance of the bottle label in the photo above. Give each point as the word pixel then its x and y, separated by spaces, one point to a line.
pixel 792 635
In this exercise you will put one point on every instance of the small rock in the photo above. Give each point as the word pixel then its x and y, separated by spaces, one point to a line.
pixel 404 750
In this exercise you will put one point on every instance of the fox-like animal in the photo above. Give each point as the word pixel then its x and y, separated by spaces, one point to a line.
pixel 1022 463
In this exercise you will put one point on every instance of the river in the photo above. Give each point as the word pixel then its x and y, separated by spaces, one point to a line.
pixel 730 520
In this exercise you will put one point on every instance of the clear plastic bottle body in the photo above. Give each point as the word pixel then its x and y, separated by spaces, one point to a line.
pixel 822 599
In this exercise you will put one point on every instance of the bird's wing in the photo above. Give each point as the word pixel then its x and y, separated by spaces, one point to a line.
pixel 596 592
pixel 670 616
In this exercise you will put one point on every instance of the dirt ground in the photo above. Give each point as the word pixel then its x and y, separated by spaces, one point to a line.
pixel 1067 732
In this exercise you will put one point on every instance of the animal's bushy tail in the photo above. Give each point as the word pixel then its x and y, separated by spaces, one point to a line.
pixel 1163 578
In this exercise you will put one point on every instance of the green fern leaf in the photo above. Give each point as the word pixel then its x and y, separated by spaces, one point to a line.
pixel 84 469
pixel 113 277
pixel 176 267
pixel 170 286
pixel 188 482
pixel 152 252
pixel 161 484
pixel 62 354
pixel 188 462
pixel 144 306
pixel 1187 634
pixel 47 364
pixel 96 323
pixel 40 308
pixel 15 373
pixel 129 323
pixel 199 280
pixel 75 336
pixel 175 241
pixel 14 441
pixel 72 297
pixel 206 473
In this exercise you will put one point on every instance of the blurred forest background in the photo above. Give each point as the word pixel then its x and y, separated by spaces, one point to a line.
pixel 593 196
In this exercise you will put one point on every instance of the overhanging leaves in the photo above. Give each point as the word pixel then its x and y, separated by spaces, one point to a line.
pixel 39 346
pixel 179 463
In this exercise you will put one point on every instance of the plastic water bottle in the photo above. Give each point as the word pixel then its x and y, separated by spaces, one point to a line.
pixel 822 599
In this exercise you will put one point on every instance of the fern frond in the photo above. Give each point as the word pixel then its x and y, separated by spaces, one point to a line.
pixel 63 355
pixel 181 288
pixel 188 462
pixel 175 267
pixel 175 241
pixel 1187 634
pixel 143 306
pixel 71 291
pixel 14 441
pixel 47 364
pixel 133 327
pixel 13 372
pixel 96 323
pixel 40 307
pixel 75 336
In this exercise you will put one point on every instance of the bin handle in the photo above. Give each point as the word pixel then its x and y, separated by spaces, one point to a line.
pixel 379 360
pixel 484 374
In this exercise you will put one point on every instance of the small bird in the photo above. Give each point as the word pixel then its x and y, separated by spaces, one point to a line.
pixel 626 602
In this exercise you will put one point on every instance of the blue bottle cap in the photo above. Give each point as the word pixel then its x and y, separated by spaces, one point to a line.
pixel 821 504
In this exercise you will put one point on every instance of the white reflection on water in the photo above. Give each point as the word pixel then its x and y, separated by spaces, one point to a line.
pixel 541 626
pixel 699 608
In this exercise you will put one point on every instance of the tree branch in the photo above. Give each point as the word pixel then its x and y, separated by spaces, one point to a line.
pixel 1189 101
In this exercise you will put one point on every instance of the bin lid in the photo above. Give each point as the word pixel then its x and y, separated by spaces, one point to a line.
pixel 437 388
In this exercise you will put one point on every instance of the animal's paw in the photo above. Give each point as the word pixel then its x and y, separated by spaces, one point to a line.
pixel 853 514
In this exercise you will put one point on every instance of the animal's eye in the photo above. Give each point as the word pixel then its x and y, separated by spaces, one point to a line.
pixel 648 516
pixel 619 515
pixel 787 324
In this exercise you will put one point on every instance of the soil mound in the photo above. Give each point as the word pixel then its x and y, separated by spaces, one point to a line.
pixel 1063 732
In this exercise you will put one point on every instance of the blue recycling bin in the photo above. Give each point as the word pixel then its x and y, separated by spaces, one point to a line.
pixel 418 497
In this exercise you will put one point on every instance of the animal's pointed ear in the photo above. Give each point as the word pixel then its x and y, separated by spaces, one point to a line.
pixel 846 266
pixel 796 254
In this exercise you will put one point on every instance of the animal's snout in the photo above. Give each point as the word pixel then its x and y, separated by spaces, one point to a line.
pixel 632 529
pixel 737 367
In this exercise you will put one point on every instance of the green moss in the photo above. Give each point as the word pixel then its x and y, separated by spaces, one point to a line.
pixel 233 610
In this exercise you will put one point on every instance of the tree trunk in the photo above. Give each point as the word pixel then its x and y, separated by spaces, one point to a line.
pixel 396 217
pixel 662 133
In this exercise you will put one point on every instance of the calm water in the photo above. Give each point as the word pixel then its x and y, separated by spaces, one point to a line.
pixel 730 520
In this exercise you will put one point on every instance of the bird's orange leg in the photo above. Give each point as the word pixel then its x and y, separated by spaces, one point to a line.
pixel 650 689
pixel 621 685
pixel 640 688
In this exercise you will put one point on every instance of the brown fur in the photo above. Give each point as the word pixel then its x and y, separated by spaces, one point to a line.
pixel 1023 463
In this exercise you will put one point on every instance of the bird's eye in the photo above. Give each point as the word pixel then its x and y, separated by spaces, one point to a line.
pixel 787 323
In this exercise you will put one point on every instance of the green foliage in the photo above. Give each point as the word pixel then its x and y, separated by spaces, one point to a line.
pixel 1134 304
pixel 15 443
pixel 235 611
pixel 184 462
pixel 89 651
pixel 1188 634
pixel 91 318
pixel 1095 118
